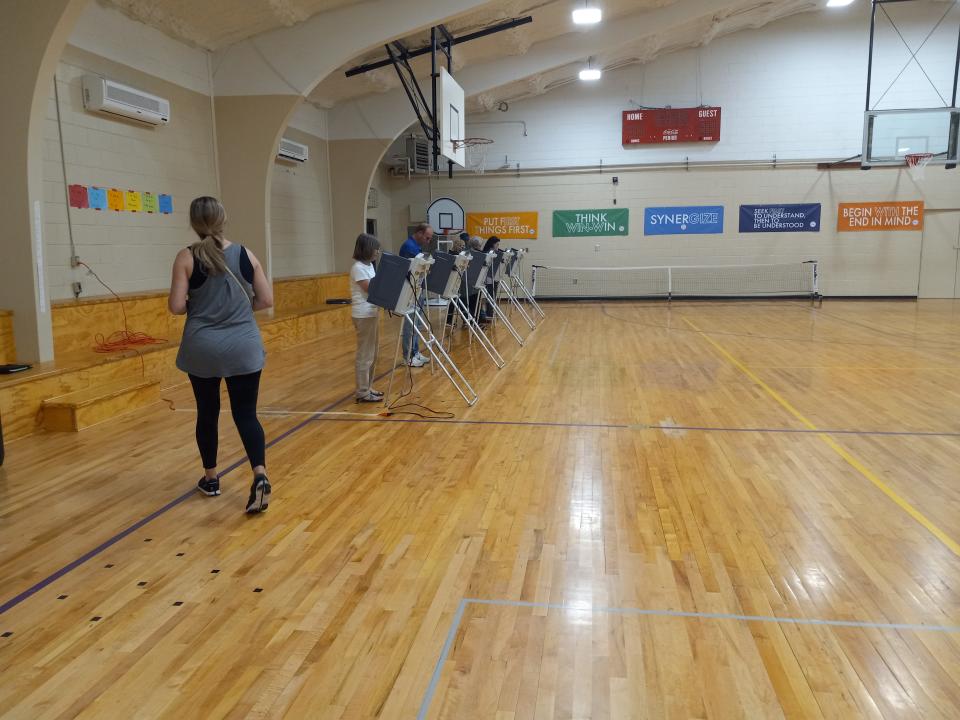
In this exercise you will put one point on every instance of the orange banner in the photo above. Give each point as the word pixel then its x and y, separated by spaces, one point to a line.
pixel 880 216
pixel 506 226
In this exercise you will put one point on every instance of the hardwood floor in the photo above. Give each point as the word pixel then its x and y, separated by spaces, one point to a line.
pixel 709 510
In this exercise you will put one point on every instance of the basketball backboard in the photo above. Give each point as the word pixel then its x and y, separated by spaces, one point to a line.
pixel 446 215
pixel 451 118
pixel 890 135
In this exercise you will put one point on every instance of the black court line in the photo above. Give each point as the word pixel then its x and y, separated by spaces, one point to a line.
pixel 319 417
pixel 16 600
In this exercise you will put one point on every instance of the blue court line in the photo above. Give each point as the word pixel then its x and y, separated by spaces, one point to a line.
pixel 458 619
pixel 16 600
pixel 640 426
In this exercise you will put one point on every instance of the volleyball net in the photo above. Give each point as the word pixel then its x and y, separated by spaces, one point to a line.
pixel 799 279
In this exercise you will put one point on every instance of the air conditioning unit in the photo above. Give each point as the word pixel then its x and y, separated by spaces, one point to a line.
pixel 102 95
pixel 290 150
pixel 418 154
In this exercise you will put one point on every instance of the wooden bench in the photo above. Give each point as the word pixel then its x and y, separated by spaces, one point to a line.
pixel 93 381
pixel 8 349
pixel 85 408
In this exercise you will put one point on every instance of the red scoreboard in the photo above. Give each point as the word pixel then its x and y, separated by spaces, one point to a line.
pixel 671 125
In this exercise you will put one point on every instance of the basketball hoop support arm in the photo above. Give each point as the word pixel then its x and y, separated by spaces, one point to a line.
pixel 399 57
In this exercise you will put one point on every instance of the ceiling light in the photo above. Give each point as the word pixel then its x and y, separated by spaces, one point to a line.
pixel 838 3
pixel 589 15
pixel 589 73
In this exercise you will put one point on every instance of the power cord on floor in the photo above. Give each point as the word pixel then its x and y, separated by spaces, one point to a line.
pixel 123 340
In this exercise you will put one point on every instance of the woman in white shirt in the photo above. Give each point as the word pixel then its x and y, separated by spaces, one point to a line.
pixel 366 317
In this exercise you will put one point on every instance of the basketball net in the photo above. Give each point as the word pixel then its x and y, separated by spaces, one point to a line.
pixel 917 164
pixel 476 152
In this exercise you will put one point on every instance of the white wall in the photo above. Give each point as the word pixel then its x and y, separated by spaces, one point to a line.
pixel 795 88
pixel 130 251
pixel 301 229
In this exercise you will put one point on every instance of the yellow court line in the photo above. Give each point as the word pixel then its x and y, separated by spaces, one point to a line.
pixel 851 460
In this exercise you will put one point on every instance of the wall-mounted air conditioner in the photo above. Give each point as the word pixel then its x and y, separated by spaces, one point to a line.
pixel 290 150
pixel 418 154
pixel 102 95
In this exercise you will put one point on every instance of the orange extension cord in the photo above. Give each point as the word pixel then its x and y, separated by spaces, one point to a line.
pixel 121 339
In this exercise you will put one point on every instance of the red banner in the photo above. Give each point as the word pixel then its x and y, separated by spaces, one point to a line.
pixel 671 125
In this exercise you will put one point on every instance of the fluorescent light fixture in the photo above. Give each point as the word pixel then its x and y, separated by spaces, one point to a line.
pixel 590 73
pixel 838 3
pixel 590 15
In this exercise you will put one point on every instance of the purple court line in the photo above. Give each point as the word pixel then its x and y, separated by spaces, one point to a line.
pixel 612 426
pixel 14 601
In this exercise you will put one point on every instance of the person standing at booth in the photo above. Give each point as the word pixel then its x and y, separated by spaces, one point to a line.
pixel 417 243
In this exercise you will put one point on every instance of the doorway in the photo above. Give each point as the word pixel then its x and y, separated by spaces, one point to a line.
pixel 940 255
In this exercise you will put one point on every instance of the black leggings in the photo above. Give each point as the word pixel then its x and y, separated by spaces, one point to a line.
pixel 243 390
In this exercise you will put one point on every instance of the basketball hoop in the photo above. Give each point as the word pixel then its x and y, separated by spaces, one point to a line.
pixel 917 164
pixel 476 152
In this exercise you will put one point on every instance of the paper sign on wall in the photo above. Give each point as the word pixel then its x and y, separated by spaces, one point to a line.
pixel 134 201
pixel 780 218
pixel 591 223
pixel 697 220
pixel 880 216
pixel 115 199
pixel 78 196
pixel 97 198
pixel 166 204
pixel 506 226
pixel 149 202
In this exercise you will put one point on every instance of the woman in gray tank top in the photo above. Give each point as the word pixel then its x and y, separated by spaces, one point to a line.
pixel 218 285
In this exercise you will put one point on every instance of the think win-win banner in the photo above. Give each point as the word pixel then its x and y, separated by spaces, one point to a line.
pixel 780 218
pixel 696 220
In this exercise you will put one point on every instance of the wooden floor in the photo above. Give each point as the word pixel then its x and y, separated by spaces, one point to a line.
pixel 714 510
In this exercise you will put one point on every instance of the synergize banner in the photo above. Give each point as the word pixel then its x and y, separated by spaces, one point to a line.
pixel 780 218
pixel 591 223
pixel 695 220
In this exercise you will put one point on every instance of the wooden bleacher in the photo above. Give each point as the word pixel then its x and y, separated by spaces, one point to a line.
pixel 82 387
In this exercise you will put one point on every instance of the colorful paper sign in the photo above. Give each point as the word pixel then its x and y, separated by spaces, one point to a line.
pixel 694 220
pixel 166 204
pixel 150 202
pixel 115 199
pixel 506 226
pixel 78 196
pixel 780 218
pixel 134 201
pixel 591 223
pixel 880 216
pixel 97 198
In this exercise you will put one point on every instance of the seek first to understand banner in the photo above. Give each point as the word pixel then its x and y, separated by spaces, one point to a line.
pixel 698 220
pixel 780 218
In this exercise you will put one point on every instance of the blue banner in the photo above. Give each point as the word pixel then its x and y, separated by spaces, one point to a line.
pixel 780 218
pixel 698 220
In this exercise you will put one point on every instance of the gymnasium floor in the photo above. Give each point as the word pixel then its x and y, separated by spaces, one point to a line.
pixel 709 510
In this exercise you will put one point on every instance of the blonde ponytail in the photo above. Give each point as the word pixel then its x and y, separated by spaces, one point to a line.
pixel 207 218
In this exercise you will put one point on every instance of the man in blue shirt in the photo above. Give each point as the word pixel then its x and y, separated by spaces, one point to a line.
pixel 417 243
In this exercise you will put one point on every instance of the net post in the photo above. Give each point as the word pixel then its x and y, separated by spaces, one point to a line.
pixel 669 284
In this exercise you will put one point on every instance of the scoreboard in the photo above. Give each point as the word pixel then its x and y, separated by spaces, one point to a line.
pixel 671 125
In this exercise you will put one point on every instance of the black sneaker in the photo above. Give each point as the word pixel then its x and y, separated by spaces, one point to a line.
pixel 259 495
pixel 208 486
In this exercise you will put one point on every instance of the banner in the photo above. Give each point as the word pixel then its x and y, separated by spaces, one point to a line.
pixel 591 223
pixel 780 218
pixel 697 220
pixel 880 216
pixel 506 226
